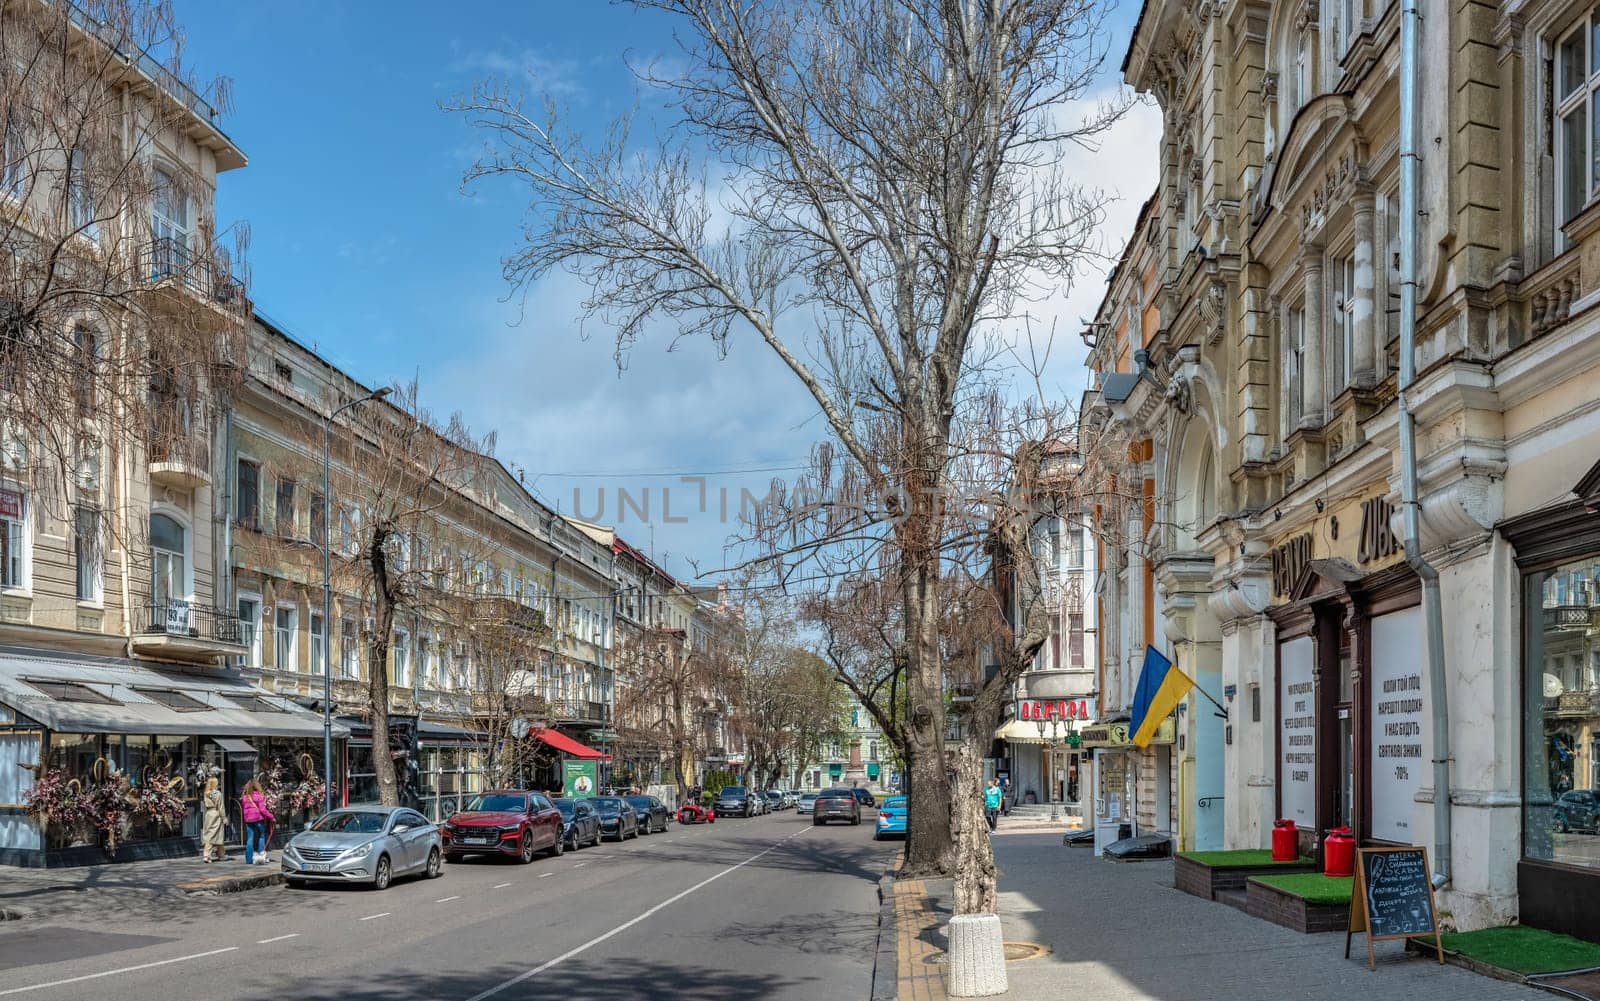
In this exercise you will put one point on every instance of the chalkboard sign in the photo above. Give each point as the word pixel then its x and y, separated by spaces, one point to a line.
pixel 1392 898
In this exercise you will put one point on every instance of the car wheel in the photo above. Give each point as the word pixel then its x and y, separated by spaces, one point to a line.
pixel 1561 825
pixel 382 874
pixel 559 848
pixel 435 864
pixel 816 821
pixel 855 821
pixel 525 855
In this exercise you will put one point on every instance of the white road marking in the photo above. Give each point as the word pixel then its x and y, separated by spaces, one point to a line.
pixel 499 886
pixel 373 917
pixel 446 900
pixel 112 973
pixel 279 938
pixel 619 929
pixel 546 875
pixel 580 865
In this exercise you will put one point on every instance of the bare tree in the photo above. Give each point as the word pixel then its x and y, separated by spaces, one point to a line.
pixel 121 323
pixel 667 689
pixel 864 186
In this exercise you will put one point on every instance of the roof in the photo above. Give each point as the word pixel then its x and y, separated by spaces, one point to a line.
pixel 125 696
pixel 564 743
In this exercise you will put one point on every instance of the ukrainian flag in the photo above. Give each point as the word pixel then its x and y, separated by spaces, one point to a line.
pixel 1161 687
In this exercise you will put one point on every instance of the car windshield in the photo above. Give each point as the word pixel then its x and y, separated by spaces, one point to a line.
pixel 498 802
pixel 351 822
pixel 639 802
pixel 894 802
pixel 567 807
pixel 771 794
pixel 837 794
pixel 733 791
pixel 808 795
pixel 607 804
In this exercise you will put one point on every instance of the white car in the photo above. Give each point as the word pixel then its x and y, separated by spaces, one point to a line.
pixel 806 803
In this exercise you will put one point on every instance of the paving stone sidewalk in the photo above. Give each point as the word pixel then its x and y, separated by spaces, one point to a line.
pixel 1120 932
pixel 123 887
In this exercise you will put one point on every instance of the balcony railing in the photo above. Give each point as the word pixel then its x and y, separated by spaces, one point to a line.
pixel 507 612
pixel 171 259
pixel 174 443
pixel 1559 618
pixel 184 620
pixel 579 710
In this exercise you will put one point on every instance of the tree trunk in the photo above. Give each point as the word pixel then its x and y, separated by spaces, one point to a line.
pixel 378 694
pixel 975 873
pixel 928 843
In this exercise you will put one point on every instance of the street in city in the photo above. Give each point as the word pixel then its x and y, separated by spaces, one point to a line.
pixel 770 907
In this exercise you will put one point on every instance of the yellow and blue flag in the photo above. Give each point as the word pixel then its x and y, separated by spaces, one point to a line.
pixel 1161 687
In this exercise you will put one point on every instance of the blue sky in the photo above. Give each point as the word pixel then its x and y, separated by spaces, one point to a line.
pixel 363 245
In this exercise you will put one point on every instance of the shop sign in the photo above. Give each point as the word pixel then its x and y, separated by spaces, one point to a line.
pixel 1400 724
pixel 1297 732
pixel 1117 734
pixel 580 778
pixel 1289 562
pixel 1377 531
pixel 10 504
pixel 1055 709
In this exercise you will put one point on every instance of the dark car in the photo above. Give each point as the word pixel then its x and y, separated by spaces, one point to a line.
pixel 1578 810
pixel 505 822
pixel 775 801
pixel 652 813
pixel 863 797
pixel 617 819
pixel 580 824
pixel 836 804
pixel 735 801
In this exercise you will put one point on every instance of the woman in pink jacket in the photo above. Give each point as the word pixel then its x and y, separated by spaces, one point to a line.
pixel 255 812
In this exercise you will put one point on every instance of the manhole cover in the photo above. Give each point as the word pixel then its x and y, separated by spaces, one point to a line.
pixel 1016 952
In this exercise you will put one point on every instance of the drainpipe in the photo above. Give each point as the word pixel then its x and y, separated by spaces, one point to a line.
pixel 1438 697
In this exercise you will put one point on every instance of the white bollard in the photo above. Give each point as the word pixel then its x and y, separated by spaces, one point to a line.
pixel 976 961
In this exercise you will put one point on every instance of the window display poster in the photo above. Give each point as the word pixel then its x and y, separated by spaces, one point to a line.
pixel 1400 726
pixel 1297 732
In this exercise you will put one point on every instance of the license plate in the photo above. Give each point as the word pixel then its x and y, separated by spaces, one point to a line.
pixel 474 841
pixel 315 867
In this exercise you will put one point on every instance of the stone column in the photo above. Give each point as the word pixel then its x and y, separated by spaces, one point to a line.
pixel 1364 372
pixel 1311 378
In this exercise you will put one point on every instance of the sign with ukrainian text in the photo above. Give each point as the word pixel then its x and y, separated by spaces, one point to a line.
pixel 1297 733
pixel 1055 709
pixel 579 778
pixel 1400 724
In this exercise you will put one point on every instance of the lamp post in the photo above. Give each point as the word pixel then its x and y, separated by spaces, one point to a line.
pixel 327 599
pixel 1047 733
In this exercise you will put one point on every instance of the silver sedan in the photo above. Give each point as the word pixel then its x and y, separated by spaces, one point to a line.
pixel 364 844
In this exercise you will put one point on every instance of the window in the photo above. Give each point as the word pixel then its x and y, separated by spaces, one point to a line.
pixel 1074 548
pixel 284 512
pixel 168 573
pixel 319 642
pixel 88 363
pixel 86 551
pixel 402 658
pixel 169 222
pixel 250 627
pixel 349 649
pixel 317 515
pixel 14 172
pixel 80 198
pixel 872 750
pixel 1075 641
pixel 347 532
pixel 283 372
pixel 1576 80
pixel 249 494
pixel 1294 340
pixel 425 659
pixel 1341 356
pixel 284 648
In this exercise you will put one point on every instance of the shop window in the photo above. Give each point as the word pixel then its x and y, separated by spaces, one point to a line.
pixel 1561 812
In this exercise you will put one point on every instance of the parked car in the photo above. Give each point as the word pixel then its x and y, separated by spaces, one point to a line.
pixel 736 801
pixel 775 801
pixel 1578 810
pixel 510 822
pixel 836 804
pixel 891 818
pixel 652 813
pixel 805 802
pixel 617 819
pixel 580 825
pixel 363 844
pixel 863 797
pixel 694 813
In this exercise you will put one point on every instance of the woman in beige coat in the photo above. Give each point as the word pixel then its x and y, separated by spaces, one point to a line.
pixel 213 820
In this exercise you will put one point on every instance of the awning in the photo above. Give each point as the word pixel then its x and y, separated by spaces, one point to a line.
pixel 564 743
pixel 82 694
pixel 236 747
pixel 1019 732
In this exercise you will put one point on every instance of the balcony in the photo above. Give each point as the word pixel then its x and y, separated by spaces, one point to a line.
pixel 1568 618
pixel 179 630
pixel 1058 684
pixel 180 279
pixel 498 611
pixel 180 456
pixel 579 711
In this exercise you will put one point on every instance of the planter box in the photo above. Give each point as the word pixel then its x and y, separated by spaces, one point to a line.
pixel 1202 880
pixel 1281 908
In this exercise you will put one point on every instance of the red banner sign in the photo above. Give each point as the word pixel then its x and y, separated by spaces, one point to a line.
pixel 10 504
pixel 1048 709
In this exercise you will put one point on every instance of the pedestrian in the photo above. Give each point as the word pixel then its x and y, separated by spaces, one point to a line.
pixel 1005 795
pixel 214 819
pixel 256 814
pixel 991 803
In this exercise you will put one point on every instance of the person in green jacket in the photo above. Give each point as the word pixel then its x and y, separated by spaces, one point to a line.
pixel 991 803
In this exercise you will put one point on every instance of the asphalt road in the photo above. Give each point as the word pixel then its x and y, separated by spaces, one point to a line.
pixel 743 909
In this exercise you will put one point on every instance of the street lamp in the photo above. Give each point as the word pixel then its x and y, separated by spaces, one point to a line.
pixel 327 599
pixel 1049 727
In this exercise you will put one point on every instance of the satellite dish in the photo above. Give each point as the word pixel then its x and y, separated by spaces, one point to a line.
pixel 1553 687
pixel 519 728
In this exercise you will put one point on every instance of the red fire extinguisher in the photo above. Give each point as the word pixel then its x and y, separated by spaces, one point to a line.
pixel 1285 841
pixel 1339 853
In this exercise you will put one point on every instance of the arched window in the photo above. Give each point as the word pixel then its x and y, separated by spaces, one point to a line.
pixel 1205 496
pixel 168 568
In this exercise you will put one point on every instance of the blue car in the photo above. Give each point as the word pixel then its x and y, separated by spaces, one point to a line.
pixel 891 818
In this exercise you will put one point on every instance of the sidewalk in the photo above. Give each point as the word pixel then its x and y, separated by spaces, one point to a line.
pixel 32 894
pixel 1120 932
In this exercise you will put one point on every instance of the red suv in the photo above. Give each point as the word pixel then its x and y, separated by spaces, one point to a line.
pixel 504 822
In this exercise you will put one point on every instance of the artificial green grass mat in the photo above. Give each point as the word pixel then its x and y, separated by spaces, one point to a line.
pixel 1242 856
pixel 1312 887
pixel 1523 950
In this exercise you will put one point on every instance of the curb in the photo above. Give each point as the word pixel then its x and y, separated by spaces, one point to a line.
pixel 232 884
pixel 14 914
pixel 886 959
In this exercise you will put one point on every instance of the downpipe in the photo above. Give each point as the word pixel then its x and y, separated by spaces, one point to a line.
pixel 1432 609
